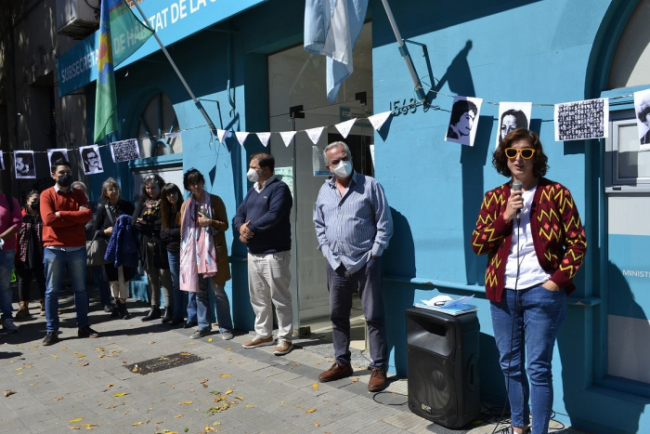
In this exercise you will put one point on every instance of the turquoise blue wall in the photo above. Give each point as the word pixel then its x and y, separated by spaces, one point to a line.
pixel 541 51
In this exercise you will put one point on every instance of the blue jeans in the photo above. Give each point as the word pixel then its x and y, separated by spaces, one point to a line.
pixel 55 262
pixel 367 281
pixel 6 266
pixel 191 307
pixel 102 285
pixel 203 305
pixel 527 322
pixel 179 297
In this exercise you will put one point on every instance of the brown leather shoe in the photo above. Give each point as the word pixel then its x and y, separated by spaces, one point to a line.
pixel 336 372
pixel 377 381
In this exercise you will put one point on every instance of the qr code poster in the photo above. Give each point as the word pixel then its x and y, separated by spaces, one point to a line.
pixel 125 150
pixel 582 120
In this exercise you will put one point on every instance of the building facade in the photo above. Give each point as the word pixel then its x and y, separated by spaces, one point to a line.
pixel 245 63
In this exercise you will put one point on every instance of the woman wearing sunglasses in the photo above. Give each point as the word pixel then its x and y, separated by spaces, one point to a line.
pixel 535 244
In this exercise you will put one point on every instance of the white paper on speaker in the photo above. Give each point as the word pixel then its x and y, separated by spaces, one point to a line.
pixel 345 127
pixel 264 138
pixel 221 134
pixel 287 137
pixel 241 136
pixel 314 134
pixel 379 119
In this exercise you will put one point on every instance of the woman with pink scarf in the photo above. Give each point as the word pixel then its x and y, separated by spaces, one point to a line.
pixel 204 254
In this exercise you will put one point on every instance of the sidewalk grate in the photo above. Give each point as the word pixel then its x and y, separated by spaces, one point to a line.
pixel 162 363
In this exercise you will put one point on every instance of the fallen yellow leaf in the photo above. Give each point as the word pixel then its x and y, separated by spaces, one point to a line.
pixel 186 354
pixel 209 339
pixel 315 385
pixel 354 380
pixel 205 380
pixel 137 423
pixel 225 375
pixel 110 385
pixel 58 398
pixel 177 416
pixel 311 410
pixel 88 425
pixel 216 423
pixel 239 397
pixel 248 406
pixel 119 395
pixel 283 402
pixel 81 356
pixel 65 348
pixel 316 424
pixel 187 402
pixel 101 356
pixel 228 349
pixel 76 420
pixel 135 369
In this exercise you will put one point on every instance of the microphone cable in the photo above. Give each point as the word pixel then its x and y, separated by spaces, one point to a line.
pixel 501 420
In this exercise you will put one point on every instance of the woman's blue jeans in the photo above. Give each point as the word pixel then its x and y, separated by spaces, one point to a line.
pixel 6 296
pixel 179 296
pixel 526 322
pixel 203 305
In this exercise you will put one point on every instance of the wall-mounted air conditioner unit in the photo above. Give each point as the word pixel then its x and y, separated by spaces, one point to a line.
pixel 77 18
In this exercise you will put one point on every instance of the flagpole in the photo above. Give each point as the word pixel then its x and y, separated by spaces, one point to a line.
pixel 187 87
pixel 403 49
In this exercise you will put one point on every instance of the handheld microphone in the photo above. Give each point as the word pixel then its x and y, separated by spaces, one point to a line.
pixel 517 185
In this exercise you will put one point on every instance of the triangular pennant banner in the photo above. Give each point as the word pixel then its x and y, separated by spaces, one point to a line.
pixel 314 134
pixel 379 119
pixel 241 136
pixel 345 127
pixel 221 134
pixel 287 137
pixel 264 138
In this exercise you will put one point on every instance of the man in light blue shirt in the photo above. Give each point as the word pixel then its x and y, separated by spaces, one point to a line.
pixel 353 225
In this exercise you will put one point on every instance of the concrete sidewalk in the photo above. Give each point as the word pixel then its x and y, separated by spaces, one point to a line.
pixel 84 384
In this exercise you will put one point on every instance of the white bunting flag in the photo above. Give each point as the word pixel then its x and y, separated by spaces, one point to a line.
pixel 345 127
pixel 287 137
pixel 172 135
pixel 241 136
pixel 264 138
pixel 221 135
pixel 378 120
pixel 314 134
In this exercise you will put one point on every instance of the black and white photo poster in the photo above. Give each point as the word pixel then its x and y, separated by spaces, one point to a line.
pixel 642 110
pixel 57 154
pixel 24 163
pixel 582 120
pixel 125 150
pixel 91 160
pixel 463 120
pixel 513 115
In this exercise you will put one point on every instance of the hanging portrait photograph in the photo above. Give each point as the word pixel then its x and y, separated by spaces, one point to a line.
pixel 464 120
pixel 513 115
pixel 54 155
pixel 642 110
pixel 582 120
pixel 91 160
pixel 24 164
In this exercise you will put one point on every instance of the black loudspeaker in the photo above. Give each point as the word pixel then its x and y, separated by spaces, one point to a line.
pixel 442 352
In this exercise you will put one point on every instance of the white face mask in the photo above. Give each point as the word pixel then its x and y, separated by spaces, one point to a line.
pixel 343 169
pixel 252 175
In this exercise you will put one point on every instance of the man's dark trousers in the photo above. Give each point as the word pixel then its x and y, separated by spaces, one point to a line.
pixel 341 285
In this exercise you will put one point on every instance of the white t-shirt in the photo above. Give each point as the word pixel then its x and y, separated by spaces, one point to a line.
pixel 530 271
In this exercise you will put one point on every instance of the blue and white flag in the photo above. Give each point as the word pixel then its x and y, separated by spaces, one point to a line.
pixel 332 28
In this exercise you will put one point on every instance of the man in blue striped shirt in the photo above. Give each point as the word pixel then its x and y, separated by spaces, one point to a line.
pixel 353 225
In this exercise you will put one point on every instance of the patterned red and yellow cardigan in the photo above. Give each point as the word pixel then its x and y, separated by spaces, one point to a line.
pixel 558 235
